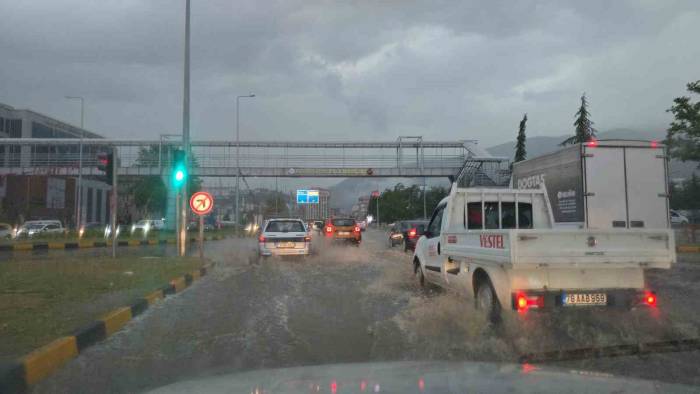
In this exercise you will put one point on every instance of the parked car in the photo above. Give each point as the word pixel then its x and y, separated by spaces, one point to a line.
pixel 32 228
pixel 92 226
pixel 678 218
pixel 147 225
pixel 6 231
pixel 108 230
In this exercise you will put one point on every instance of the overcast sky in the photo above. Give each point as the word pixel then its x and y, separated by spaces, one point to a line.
pixel 367 70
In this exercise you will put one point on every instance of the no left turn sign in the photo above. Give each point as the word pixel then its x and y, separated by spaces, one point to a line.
pixel 201 203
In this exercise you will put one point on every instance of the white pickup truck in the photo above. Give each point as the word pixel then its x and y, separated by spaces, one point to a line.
pixel 499 247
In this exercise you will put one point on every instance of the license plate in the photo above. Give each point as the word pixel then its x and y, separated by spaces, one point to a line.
pixel 343 233
pixel 584 299
pixel 285 245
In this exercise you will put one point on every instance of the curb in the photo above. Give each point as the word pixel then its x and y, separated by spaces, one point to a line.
pixel 30 246
pixel 42 362
pixel 688 248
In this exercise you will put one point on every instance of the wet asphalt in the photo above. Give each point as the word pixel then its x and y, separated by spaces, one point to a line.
pixel 360 304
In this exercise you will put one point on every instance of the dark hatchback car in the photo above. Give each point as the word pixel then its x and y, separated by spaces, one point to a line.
pixel 407 232
pixel 415 230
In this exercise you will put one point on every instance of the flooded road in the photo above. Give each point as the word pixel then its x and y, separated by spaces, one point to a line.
pixel 348 304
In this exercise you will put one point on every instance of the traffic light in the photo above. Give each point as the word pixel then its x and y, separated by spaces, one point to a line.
pixel 179 168
pixel 105 163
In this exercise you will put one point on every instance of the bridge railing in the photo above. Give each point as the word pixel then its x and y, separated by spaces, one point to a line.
pixel 152 157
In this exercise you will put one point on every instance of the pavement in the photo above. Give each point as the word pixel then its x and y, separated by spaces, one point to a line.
pixel 348 304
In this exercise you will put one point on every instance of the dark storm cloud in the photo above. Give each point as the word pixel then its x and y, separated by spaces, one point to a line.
pixel 363 70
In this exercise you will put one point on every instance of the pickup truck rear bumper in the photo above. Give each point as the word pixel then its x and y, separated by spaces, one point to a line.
pixel 556 299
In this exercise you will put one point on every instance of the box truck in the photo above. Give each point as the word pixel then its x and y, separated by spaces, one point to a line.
pixel 602 184
pixel 509 249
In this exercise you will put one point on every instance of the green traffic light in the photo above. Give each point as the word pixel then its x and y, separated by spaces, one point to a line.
pixel 179 177
pixel 179 168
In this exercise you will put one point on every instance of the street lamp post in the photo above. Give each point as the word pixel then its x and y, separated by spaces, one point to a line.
pixel 78 209
pixel 238 159
pixel 182 203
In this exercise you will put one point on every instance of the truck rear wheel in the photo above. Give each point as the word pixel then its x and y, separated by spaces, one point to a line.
pixel 487 302
pixel 418 273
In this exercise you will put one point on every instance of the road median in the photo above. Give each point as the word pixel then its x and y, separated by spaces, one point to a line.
pixel 42 301
pixel 21 246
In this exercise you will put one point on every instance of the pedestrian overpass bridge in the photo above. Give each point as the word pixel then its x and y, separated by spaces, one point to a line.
pixel 405 157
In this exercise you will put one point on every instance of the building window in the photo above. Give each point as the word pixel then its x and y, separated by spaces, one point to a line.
pixel 13 127
pixel 41 131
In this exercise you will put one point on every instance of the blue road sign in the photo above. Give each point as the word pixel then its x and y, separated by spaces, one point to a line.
pixel 307 196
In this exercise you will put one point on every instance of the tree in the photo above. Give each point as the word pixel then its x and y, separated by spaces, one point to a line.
pixel 686 195
pixel 683 137
pixel 403 203
pixel 520 152
pixel 584 126
pixel 150 192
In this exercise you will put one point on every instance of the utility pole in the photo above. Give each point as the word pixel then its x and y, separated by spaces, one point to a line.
pixel 276 196
pixel 181 204
pixel 238 160
pixel 424 190
pixel 78 202
pixel 115 200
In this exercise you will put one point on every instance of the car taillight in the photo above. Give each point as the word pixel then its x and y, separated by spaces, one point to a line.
pixel 650 298
pixel 357 229
pixel 261 238
pixel 524 302
pixel 329 229
pixel 592 143
pixel 307 239
pixel 412 233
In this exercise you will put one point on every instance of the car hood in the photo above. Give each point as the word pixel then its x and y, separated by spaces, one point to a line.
pixel 421 377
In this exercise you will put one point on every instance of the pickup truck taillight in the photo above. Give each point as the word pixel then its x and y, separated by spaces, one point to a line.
pixel 650 298
pixel 356 229
pixel 523 302
pixel 412 233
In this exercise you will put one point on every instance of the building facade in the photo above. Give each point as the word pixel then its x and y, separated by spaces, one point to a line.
pixel 48 196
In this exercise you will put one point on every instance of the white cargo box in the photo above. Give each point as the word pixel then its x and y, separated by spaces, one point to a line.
pixel 602 184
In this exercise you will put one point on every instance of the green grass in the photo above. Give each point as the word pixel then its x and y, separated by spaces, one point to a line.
pixel 42 300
